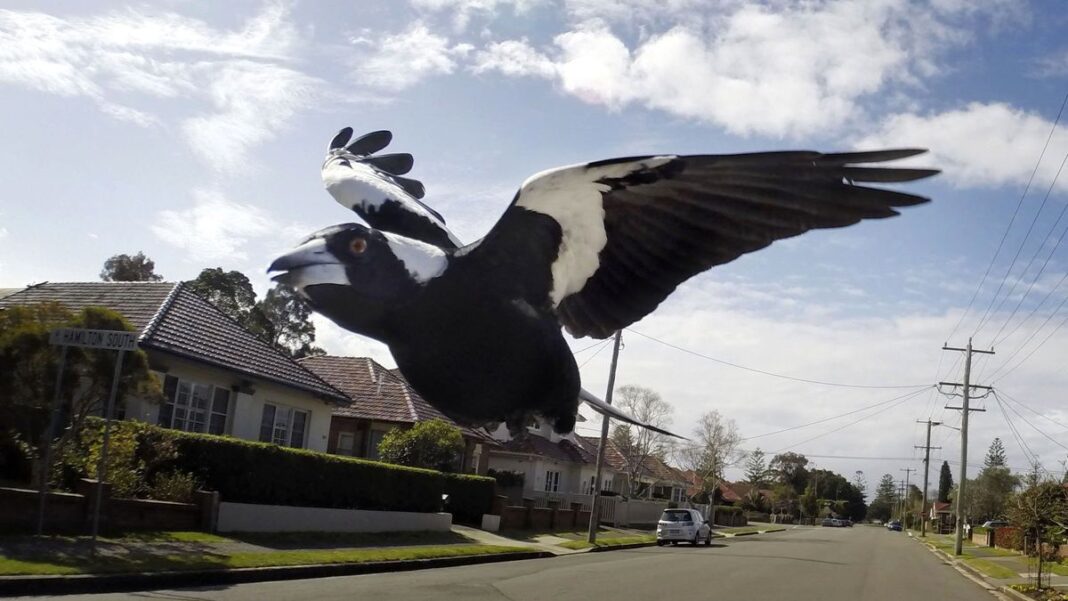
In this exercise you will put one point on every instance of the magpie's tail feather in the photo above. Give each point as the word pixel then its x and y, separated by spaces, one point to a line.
pixel 605 409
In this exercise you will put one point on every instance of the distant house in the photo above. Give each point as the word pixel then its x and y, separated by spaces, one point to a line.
pixel 218 377
pixel 656 479
pixel 942 516
pixel 382 400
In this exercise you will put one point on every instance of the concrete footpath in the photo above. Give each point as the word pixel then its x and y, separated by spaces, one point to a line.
pixel 995 568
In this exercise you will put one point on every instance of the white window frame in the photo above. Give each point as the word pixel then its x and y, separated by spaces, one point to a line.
pixel 351 450
pixel 552 481
pixel 287 430
pixel 187 424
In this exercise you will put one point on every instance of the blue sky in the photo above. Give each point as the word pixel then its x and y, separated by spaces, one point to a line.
pixel 195 131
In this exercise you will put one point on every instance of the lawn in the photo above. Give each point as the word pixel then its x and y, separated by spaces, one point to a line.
pixel 610 541
pixel 994 570
pixel 81 563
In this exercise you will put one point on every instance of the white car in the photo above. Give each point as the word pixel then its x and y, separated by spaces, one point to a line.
pixel 683 525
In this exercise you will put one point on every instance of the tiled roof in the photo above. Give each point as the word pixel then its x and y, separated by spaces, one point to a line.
pixel 175 320
pixel 533 444
pixel 651 466
pixel 378 393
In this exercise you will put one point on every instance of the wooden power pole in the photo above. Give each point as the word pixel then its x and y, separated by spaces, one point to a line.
pixel 595 513
pixel 926 472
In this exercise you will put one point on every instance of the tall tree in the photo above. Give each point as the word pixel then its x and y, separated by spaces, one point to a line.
pixel 790 468
pixel 231 292
pixel 126 268
pixel 714 446
pixel 860 483
pixel 995 455
pixel 289 325
pixel 756 469
pixel 945 483
pixel 885 494
pixel 637 445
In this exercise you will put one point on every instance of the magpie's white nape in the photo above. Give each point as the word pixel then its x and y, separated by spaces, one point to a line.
pixel 593 247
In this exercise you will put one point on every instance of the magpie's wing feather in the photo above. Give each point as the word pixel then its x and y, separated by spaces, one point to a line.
pixel 616 413
pixel 373 187
pixel 604 243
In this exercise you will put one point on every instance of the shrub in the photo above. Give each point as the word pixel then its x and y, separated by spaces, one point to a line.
pixel 507 479
pixel 433 444
pixel 469 497
pixel 757 516
pixel 174 486
pixel 728 510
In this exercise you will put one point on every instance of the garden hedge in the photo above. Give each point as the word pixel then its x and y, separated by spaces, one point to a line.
pixel 469 497
pixel 253 472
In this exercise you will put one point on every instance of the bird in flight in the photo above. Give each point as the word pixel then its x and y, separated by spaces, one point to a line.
pixel 590 248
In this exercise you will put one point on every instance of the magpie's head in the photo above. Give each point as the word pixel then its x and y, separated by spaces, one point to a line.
pixel 357 276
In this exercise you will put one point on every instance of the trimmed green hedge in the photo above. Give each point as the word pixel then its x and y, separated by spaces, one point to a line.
pixel 253 472
pixel 469 497
pixel 728 510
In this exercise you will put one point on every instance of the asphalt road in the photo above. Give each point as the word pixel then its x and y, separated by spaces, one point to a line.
pixel 804 564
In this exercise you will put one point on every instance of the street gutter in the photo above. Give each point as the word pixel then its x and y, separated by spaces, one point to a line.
pixel 111 583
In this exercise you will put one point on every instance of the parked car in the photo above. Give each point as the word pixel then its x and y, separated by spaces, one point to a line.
pixel 894 525
pixel 828 522
pixel 995 524
pixel 683 525
pixel 846 522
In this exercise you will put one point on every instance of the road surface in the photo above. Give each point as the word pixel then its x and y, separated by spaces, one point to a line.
pixel 863 563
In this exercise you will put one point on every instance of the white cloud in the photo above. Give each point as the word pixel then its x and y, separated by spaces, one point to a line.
pixel 122 59
pixel 787 72
pixel 253 101
pixel 980 144
pixel 1053 65
pixel 462 11
pixel 3 232
pixel 401 60
pixel 214 228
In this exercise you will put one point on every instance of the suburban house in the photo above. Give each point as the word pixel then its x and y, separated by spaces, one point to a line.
pixel 381 400
pixel 656 479
pixel 217 377
pixel 942 516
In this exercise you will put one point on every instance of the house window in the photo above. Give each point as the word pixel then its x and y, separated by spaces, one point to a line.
pixel 588 485
pixel 283 425
pixel 607 484
pixel 552 481
pixel 346 442
pixel 374 437
pixel 194 407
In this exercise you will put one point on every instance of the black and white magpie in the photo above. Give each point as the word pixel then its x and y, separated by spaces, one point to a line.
pixel 476 329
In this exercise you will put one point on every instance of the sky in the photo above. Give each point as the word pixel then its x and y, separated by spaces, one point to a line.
pixel 194 132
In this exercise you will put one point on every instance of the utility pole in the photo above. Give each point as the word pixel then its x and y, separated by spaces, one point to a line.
pixel 595 514
pixel 965 409
pixel 926 472
pixel 901 502
pixel 905 500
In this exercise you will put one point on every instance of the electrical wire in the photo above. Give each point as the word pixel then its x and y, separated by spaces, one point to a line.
pixel 1033 351
pixel 769 373
pixel 1011 222
pixel 1033 427
pixel 604 345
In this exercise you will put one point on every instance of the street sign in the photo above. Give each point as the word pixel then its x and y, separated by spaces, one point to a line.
pixel 116 340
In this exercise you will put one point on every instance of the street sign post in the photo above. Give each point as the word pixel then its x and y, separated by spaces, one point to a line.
pixel 115 340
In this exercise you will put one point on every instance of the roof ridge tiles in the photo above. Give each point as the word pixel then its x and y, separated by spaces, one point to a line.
pixel 155 320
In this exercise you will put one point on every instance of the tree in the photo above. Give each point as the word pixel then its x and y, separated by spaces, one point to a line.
pixel 945 483
pixel 882 505
pixel 790 468
pixel 637 445
pixel 433 444
pixel 282 318
pixel 756 469
pixel 860 483
pixel 810 505
pixel 231 292
pixel 1041 512
pixel 995 455
pixel 714 446
pixel 28 366
pixel 126 268
pixel 288 317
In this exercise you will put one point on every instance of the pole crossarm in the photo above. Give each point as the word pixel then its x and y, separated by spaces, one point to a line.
pixel 959 385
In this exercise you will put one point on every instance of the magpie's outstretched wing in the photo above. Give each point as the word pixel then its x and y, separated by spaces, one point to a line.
pixel 374 187
pixel 604 243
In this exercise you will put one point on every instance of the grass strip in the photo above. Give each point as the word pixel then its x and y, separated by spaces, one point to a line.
pixel 145 562
pixel 609 542
pixel 994 570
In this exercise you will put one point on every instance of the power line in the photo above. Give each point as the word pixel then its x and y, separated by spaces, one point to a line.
pixel 1038 249
pixel 1028 453
pixel 1045 417
pixel 1033 351
pixel 596 344
pixel 1007 228
pixel 852 423
pixel 1005 235
pixel 827 419
pixel 769 373
pixel 1033 427
pixel 604 345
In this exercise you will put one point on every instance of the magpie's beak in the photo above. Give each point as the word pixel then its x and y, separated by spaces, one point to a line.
pixel 309 254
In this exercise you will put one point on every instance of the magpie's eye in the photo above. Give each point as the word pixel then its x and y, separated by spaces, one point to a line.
pixel 357 246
